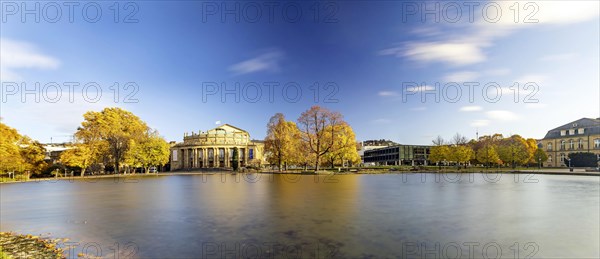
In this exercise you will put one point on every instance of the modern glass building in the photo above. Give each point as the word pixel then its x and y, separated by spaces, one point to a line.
pixel 398 155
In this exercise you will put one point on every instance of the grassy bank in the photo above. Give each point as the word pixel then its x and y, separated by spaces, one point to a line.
pixel 122 177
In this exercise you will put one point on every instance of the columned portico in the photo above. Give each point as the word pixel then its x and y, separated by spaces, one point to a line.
pixel 214 149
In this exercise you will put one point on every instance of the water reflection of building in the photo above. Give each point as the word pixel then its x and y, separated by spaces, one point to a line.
pixel 215 147
pixel 398 155
pixel 582 135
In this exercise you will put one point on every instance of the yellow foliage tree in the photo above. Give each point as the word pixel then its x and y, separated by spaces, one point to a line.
pixel 111 132
pixel 10 155
pixel 282 142
pixel 461 153
pixel 531 148
pixel 488 155
pixel 151 150
pixel 33 154
pixel 344 145
pixel 79 155
pixel 439 153
pixel 314 125
pixel 513 150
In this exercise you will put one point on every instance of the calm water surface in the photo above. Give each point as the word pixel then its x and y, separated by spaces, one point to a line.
pixel 277 216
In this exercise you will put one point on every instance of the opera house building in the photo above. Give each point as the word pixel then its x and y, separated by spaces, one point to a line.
pixel 215 148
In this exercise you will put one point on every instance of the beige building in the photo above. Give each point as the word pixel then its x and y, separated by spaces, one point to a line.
pixel 214 149
pixel 582 135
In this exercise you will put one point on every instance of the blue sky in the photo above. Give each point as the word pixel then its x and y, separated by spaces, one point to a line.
pixel 365 59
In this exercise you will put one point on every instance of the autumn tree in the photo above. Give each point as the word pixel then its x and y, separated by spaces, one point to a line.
pixel 10 155
pixel 540 156
pixel 488 155
pixel 439 153
pixel 111 130
pixel 282 141
pixel 314 124
pixel 149 150
pixel 532 147
pixel 460 154
pixel 79 155
pixel 344 146
pixel 513 150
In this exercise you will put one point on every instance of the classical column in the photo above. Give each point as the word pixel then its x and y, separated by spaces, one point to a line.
pixel 180 158
pixel 226 158
pixel 215 157
pixel 195 157
pixel 204 158
pixel 184 158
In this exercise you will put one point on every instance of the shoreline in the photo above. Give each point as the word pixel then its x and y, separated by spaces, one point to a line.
pixel 15 245
pixel 360 172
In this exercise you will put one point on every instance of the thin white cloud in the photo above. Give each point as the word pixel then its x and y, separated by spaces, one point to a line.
pixel 502 115
pixel 268 62
pixel 420 88
pixel 388 93
pixel 17 55
pixel 455 53
pixel 471 108
pixel 479 123
pixel 549 12
pixel 469 47
pixel 461 76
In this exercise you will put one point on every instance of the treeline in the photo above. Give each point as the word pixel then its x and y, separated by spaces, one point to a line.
pixel 20 154
pixel 489 150
pixel 118 139
pixel 110 140
pixel 319 138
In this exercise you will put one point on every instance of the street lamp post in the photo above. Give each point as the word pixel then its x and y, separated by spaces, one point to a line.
pixel 570 168
pixel 539 163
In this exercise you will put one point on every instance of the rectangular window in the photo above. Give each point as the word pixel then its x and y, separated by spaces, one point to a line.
pixel 251 153
pixel 174 155
pixel 580 131
pixel 572 132
pixel 563 132
pixel 597 143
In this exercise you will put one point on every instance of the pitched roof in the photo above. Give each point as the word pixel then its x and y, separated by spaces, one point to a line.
pixel 228 125
pixel 591 127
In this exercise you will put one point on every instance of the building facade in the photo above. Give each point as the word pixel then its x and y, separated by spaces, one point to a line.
pixel 398 155
pixel 214 149
pixel 582 135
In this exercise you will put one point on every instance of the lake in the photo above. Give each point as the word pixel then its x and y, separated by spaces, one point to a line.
pixel 416 215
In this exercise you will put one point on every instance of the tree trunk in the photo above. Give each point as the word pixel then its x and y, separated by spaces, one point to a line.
pixel 279 163
pixel 82 172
